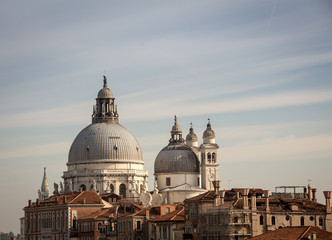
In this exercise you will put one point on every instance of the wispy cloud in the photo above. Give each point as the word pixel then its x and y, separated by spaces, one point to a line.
pixel 286 148
pixel 37 150
pixel 161 108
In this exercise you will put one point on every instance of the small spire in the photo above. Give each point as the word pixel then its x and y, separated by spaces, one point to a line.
pixel 209 124
pixel 175 120
pixel 191 130
pixel 45 181
pixel 105 82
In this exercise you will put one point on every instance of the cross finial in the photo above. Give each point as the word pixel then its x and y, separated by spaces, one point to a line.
pixel 191 124
pixel 209 120
pixel 175 120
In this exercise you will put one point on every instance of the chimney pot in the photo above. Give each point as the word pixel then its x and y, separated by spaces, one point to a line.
pixel 30 203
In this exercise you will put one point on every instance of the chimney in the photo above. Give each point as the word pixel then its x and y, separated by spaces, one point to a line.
pixel 304 192
pixel 309 192
pixel 313 236
pixel 244 193
pixel 237 195
pixel 327 195
pixel 314 196
pixel 56 200
pixel 266 195
pixel 253 201
pixel 223 196
pixel 84 200
pixel 37 201
pixel 30 203
pixel 216 185
pixel 81 189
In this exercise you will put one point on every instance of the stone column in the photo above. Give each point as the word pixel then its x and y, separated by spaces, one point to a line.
pixel 245 198
pixel 253 201
pixel 266 196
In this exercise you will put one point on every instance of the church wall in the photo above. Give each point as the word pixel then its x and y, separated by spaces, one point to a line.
pixel 177 179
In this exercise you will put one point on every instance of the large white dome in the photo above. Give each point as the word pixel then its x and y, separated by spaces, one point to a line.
pixel 105 142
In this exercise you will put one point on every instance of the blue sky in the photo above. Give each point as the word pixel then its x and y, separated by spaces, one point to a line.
pixel 260 70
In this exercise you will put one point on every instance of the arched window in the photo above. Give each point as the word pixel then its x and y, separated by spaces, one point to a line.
pixel 236 220
pixel 123 190
pixel 209 157
pixel 83 187
pixel 302 221
pixel 273 220
pixel 321 221
pixel 213 157
pixel 261 220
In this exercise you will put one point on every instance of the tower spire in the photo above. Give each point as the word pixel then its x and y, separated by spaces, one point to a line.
pixel 44 191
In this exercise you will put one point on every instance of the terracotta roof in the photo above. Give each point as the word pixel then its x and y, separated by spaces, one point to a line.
pixel 103 213
pixel 176 216
pixel 294 233
pixel 91 197
pixel 210 195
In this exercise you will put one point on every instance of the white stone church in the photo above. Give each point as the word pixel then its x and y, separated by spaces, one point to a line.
pixel 106 157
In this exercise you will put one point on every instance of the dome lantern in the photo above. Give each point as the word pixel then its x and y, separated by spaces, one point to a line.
pixel 176 133
pixel 209 136
pixel 105 110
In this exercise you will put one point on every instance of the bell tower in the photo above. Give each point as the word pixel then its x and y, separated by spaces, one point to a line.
pixel 209 158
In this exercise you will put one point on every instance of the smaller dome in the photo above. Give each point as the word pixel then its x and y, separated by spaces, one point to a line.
pixel 191 136
pixel 209 133
pixel 105 93
pixel 177 158
pixel 176 129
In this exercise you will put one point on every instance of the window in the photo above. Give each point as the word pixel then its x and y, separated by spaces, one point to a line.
pixel 209 157
pixel 213 157
pixel 302 221
pixel 311 218
pixel 236 220
pixel 198 181
pixel 168 181
pixel 321 222
pixel 261 220
pixel 83 187
pixel 287 218
pixel 138 225
pixel 164 233
pixel 167 210
pixel 123 190
pixel 112 188
pixel 273 220
pixel 192 211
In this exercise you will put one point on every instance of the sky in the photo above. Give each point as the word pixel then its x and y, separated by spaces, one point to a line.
pixel 260 70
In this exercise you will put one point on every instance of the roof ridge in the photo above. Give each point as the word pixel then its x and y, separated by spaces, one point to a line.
pixel 305 232
pixel 177 213
pixel 237 200
pixel 76 197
